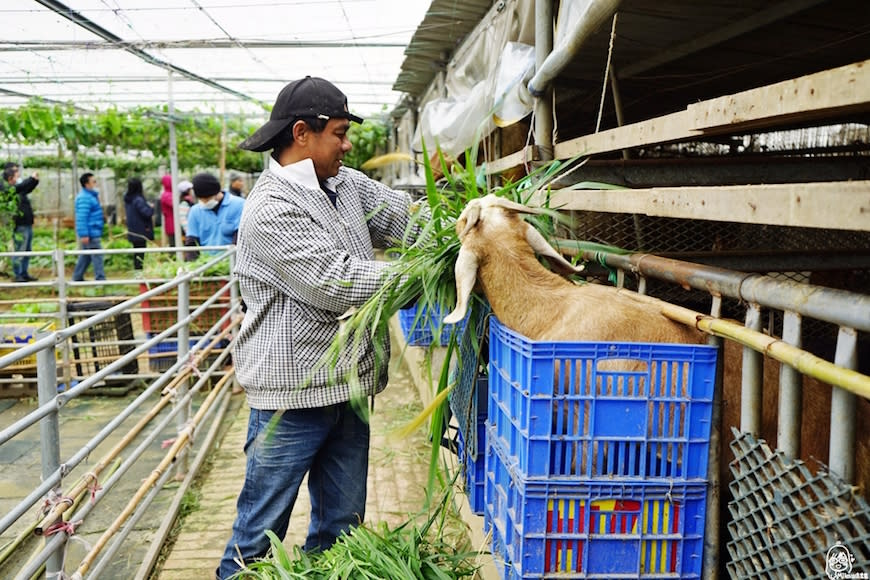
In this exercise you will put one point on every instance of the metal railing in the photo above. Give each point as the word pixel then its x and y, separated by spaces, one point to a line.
pixel 797 301
pixel 171 394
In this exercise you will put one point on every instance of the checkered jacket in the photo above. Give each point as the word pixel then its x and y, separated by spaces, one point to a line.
pixel 302 263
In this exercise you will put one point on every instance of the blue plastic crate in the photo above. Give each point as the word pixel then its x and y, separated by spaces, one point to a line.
pixel 474 467
pixel 422 330
pixel 577 529
pixel 566 408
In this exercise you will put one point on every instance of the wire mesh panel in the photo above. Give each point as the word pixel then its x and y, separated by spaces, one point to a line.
pixel 789 523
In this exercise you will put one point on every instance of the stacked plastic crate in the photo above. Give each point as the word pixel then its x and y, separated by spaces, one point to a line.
pixel 423 326
pixel 596 457
pixel 161 312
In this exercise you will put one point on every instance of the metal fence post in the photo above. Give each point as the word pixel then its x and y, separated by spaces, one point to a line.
pixel 63 318
pixel 750 389
pixel 788 432
pixel 183 350
pixel 46 384
pixel 234 284
pixel 843 409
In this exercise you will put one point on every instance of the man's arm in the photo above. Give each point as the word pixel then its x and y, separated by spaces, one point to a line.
pixel 28 184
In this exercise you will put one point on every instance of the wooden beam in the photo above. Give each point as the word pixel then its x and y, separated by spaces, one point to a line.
pixel 526 154
pixel 667 128
pixel 829 93
pixel 837 205
pixel 825 94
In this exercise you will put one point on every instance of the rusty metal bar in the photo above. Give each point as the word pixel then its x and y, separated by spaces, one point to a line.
pixel 836 306
pixel 753 369
pixel 843 410
pixel 788 430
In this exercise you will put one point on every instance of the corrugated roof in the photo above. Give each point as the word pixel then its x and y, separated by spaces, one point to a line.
pixel 446 24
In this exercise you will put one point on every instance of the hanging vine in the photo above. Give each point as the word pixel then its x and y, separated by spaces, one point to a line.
pixel 137 139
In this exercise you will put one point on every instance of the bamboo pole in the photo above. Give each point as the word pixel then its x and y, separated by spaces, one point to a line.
pixel 85 480
pixel 180 442
pixel 805 362
pixel 27 533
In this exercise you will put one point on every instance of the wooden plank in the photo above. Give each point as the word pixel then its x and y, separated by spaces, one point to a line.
pixel 845 89
pixel 525 155
pixel 673 127
pixel 838 205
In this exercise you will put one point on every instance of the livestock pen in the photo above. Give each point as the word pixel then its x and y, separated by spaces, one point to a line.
pixel 722 158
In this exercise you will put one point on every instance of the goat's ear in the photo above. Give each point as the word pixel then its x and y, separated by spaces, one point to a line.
pixel 540 246
pixel 466 275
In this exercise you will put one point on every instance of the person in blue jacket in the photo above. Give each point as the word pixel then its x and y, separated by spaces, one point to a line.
pixel 214 219
pixel 140 229
pixel 89 228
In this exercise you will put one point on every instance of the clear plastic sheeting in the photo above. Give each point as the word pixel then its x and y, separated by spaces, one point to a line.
pixel 570 13
pixel 473 102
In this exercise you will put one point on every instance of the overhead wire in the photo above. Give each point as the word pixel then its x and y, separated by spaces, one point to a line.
pixel 233 39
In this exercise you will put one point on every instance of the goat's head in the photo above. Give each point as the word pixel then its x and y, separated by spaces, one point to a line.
pixel 494 220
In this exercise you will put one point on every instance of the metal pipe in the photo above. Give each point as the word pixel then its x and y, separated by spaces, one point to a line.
pixel 49 432
pixel 788 431
pixel 843 410
pixel 836 306
pixel 57 539
pixel 63 321
pixel 596 13
pixel 543 110
pixel 158 539
pixel 183 347
pixel 750 389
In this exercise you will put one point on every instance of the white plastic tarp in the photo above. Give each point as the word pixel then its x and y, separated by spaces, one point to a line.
pixel 482 82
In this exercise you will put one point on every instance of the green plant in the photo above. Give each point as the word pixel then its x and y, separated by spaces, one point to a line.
pixel 367 139
pixel 408 551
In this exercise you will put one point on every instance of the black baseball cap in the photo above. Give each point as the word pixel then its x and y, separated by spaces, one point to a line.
pixel 310 97
pixel 205 185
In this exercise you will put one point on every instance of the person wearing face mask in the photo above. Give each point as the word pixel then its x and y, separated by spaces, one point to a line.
pixel 89 228
pixel 214 218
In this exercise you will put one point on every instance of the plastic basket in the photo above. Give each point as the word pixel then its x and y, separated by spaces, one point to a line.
pixel 15 336
pixel 566 408
pixel 164 354
pixel 422 330
pixel 99 345
pixel 571 530
pixel 160 312
pixel 474 467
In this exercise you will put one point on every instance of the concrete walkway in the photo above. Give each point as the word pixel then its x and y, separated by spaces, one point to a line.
pixel 396 482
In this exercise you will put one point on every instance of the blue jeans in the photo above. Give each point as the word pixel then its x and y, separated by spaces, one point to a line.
pixel 331 444
pixel 23 239
pixel 85 260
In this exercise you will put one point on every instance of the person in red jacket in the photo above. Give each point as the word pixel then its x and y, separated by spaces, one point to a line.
pixel 166 208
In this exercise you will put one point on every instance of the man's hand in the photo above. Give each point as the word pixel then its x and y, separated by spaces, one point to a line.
pixel 35 175
pixel 84 240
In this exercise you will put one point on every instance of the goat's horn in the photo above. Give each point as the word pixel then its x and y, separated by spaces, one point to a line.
pixel 466 275
pixel 471 214
pixel 540 245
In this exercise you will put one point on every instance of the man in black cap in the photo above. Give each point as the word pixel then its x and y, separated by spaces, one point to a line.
pixel 306 256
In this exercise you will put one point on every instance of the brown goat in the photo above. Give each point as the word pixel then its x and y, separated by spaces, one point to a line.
pixel 570 312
